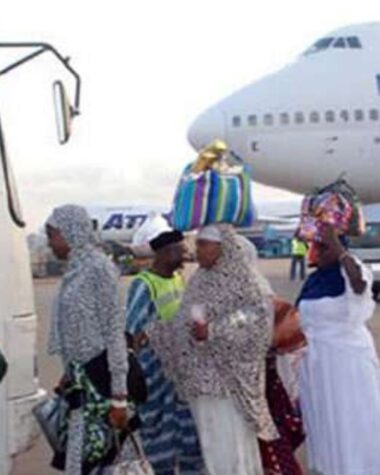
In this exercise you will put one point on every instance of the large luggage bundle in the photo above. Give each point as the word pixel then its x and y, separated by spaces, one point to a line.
pixel 213 190
pixel 336 204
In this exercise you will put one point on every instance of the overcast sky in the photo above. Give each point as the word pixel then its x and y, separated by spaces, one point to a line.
pixel 148 69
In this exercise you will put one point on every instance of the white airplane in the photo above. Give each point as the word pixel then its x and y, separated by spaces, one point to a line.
pixel 311 122
pixel 120 223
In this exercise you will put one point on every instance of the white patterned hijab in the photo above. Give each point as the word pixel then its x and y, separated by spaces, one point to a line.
pixel 252 257
pixel 229 288
pixel 74 223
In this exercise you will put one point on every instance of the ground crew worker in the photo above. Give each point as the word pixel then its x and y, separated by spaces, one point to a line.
pixel 168 431
pixel 299 251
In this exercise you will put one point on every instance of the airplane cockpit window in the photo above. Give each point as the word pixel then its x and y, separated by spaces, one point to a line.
pixel 284 118
pixel 359 115
pixel 353 42
pixel 344 115
pixel 324 43
pixel 236 121
pixel 349 42
pixel 299 118
pixel 314 117
pixel 329 116
pixel 374 114
pixel 320 45
pixel 339 43
pixel 268 119
pixel 252 120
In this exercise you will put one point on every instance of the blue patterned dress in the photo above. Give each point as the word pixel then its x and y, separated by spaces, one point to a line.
pixel 168 431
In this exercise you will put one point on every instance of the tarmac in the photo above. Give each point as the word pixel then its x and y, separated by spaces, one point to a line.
pixel 37 460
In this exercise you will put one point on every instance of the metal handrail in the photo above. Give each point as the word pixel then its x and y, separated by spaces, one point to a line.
pixel 42 48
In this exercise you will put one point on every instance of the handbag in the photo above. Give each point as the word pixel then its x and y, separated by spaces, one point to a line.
pixel 138 463
pixel 52 415
pixel 3 366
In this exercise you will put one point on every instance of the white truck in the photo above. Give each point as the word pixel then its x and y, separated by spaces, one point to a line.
pixel 20 390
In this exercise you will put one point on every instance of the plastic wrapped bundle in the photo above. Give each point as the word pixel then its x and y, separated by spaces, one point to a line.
pixel 336 204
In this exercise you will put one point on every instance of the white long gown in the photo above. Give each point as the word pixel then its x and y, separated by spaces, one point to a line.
pixel 340 384
pixel 229 446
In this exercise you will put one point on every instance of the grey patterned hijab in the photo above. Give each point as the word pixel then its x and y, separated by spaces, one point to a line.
pixel 74 224
pixel 241 320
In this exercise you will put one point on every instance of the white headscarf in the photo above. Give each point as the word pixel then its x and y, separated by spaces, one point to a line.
pixel 211 233
pixel 251 254
pixel 74 223
pixel 86 316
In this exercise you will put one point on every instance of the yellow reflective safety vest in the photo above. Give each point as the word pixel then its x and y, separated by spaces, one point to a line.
pixel 299 248
pixel 166 293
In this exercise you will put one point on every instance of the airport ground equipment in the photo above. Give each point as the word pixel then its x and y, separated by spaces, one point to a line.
pixel 19 391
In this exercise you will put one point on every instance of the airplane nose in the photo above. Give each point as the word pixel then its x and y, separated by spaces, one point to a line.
pixel 207 127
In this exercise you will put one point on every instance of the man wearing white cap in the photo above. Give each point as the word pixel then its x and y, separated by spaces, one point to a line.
pixel 168 431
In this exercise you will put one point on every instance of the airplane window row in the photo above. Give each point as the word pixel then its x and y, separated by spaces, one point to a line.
pixel 314 117
pixel 330 42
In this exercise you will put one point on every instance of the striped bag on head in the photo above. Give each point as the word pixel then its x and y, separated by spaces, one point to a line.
pixel 191 200
pixel 212 196
pixel 230 199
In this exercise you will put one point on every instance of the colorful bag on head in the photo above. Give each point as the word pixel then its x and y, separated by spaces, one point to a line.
pixel 356 225
pixel 336 204
pixel 191 200
pixel 230 198
pixel 213 196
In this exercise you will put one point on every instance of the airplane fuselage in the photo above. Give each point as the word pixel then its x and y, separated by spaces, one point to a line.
pixel 120 223
pixel 313 121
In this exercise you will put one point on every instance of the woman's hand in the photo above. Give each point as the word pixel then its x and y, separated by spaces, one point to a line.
pixel 62 384
pixel 336 249
pixel 139 340
pixel 199 331
pixel 118 417
pixel 281 307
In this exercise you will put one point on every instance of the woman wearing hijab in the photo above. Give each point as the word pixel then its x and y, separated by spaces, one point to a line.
pixel 340 375
pixel 87 333
pixel 215 351
pixel 278 455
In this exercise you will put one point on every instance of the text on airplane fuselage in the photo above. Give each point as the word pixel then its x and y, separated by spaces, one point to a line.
pixel 121 221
